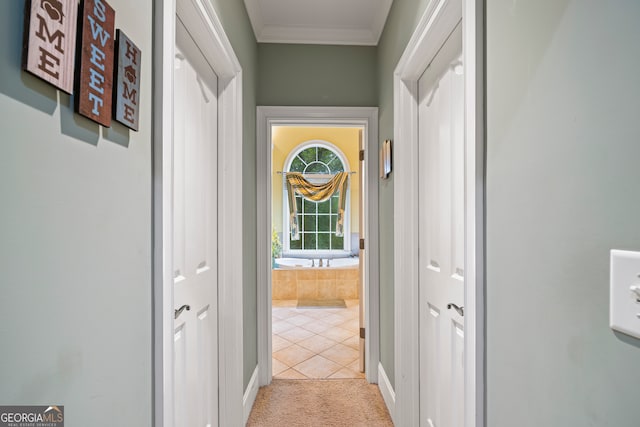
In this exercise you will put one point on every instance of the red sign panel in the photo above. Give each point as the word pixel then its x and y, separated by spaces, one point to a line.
pixel 50 41
pixel 127 84
pixel 95 82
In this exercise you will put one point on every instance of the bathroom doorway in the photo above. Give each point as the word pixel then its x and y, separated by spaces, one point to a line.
pixel 315 301
pixel 315 276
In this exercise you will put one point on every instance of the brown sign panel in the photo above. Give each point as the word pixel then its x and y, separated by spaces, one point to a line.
pixel 127 81
pixel 50 41
pixel 95 79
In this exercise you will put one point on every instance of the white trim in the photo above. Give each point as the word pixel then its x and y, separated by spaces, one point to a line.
pixel 163 59
pixel 473 17
pixel 380 20
pixel 340 36
pixel 316 143
pixel 388 394
pixel 205 27
pixel 405 262
pixel 306 35
pixel 433 29
pixel 250 394
pixel 255 16
pixel 367 117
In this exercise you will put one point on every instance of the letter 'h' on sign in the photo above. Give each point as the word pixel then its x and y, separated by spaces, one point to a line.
pixel 126 89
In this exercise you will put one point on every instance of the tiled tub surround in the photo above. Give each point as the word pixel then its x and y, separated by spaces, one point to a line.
pixel 319 283
pixel 315 343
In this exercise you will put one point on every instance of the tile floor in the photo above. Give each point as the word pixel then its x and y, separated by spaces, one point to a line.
pixel 315 343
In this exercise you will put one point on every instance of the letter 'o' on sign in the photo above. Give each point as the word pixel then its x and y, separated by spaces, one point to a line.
pixel 126 89
pixel 50 41
pixel 95 81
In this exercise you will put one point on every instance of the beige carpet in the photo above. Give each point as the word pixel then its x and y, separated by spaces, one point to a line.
pixel 319 403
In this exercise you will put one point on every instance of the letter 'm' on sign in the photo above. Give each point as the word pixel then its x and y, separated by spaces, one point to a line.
pixel 50 41
pixel 95 79
pixel 127 82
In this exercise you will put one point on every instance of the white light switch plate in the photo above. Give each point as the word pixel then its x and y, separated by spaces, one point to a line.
pixel 624 308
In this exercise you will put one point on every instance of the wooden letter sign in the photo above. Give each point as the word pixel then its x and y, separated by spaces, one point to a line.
pixel 95 82
pixel 127 81
pixel 50 41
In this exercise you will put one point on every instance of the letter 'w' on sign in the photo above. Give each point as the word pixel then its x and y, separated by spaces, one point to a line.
pixel 50 41
pixel 126 89
pixel 95 81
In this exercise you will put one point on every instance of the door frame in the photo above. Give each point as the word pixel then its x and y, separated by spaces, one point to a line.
pixel 437 22
pixel 366 117
pixel 205 27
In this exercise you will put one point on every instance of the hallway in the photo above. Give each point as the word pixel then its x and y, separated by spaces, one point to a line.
pixel 89 225
pixel 316 378
pixel 315 403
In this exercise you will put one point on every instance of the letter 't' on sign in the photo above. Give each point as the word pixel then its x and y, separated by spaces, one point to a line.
pixel 126 89
pixel 50 41
pixel 95 80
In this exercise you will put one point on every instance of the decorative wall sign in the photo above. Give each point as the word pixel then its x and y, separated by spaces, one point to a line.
pixel 51 30
pixel 95 80
pixel 127 81
pixel 50 41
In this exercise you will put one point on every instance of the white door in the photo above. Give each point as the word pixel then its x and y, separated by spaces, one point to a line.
pixel 441 255
pixel 195 237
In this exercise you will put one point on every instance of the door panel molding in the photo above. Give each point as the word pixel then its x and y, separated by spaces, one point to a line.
pixel 205 27
pixel 435 26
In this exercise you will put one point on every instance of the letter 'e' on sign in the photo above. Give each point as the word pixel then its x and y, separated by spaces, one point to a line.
pixel 95 79
pixel 127 81
pixel 50 41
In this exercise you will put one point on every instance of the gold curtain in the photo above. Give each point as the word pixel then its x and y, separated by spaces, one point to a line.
pixel 296 183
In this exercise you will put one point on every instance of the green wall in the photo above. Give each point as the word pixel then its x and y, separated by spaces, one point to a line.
pixel 237 26
pixel 75 242
pixel 316 75
pixel 402 20
pixel 563 143
pixel 562 174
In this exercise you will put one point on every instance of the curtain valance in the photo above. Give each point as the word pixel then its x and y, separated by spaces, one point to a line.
pixel 296 183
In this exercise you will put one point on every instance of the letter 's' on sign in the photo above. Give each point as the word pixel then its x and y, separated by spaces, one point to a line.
pixel 126 89
pixel 95 81
pixel 50 41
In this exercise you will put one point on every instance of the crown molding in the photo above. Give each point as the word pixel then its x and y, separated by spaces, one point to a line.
pixel 297 34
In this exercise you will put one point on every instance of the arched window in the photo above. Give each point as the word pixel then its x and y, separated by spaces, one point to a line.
pixel 318 161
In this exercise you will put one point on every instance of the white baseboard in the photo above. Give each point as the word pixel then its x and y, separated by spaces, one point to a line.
pixel 388 394
pixel 250 394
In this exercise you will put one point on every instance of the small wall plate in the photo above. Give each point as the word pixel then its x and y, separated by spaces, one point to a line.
pixel 624 304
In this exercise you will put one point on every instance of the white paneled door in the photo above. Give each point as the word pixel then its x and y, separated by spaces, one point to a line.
pixel 441 255
pixel 195 237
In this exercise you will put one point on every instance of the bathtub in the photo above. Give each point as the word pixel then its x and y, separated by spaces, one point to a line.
pixel 308 263
pixel 294 278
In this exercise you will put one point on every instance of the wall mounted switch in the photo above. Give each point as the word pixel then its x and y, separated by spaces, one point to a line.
pixel 624 304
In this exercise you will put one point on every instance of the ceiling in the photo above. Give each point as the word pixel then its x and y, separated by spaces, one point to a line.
pixel 342 22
